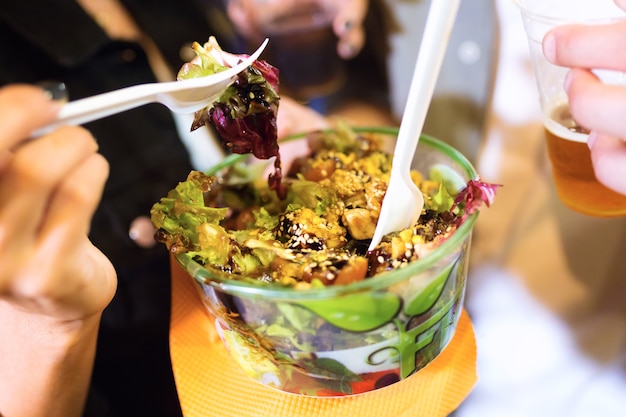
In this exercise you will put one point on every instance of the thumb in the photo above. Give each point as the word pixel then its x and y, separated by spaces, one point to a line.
pixel 621 4
pixel 608 155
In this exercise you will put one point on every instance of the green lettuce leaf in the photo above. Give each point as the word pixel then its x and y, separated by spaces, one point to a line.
pixel 178 216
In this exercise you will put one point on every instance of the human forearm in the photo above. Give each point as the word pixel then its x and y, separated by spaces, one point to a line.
pixel 45 365
pixel 54 284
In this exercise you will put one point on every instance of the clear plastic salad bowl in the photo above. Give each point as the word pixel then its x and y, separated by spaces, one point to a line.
pixel 346 339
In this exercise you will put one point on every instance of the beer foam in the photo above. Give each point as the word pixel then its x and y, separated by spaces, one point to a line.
pixel 561 131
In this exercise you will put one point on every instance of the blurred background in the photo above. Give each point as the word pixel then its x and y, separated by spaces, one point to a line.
pixel 547 285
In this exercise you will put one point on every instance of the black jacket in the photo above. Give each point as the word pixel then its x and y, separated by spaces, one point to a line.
pixel 56 40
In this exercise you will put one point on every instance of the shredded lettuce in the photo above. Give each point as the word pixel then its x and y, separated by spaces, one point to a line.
pixel 309 237
pixel 473 196
pixel 244 116
pixel 179 216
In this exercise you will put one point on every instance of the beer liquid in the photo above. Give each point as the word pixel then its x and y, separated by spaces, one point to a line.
pixel 573 173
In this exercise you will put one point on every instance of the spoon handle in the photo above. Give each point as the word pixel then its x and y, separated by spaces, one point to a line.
pixel 106 104
pixel 185 96
pixel 439 24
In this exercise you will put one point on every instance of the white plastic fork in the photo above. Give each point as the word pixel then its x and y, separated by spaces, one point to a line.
pixel 185 96
pixel 403 202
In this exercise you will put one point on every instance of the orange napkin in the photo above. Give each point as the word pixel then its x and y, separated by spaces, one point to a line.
pixel 210 384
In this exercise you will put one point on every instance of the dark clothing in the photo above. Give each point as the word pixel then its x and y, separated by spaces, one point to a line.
pixel 57 40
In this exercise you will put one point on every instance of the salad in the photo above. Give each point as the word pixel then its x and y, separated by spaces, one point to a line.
pixel 244 116
pixel 318 234
pixel 351 334
pixel 312 230
pixel 314 325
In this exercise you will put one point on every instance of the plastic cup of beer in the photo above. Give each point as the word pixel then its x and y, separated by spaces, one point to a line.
pixel 572 169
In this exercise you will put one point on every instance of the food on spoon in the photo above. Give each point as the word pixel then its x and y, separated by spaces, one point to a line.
pixel 319 233
pixel 245 114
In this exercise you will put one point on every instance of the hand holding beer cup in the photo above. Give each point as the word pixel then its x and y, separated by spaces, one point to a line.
pixel 597 106
pixel 568 123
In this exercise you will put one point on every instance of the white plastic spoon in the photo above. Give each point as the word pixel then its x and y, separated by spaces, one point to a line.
pixel 403 201
pixel 186 96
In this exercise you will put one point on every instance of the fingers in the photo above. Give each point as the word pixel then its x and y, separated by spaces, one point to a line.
pixel 80 275
pixel 75 199
pixel 608 155
pixel 595 105
pixel 351 43
pixel 294 117
pixel 35 170
pixel 29 181
pixel 240 17
pixel 23 109
pixel 49 190
pixel 348 26
pixel 621 4
pixel 577 46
